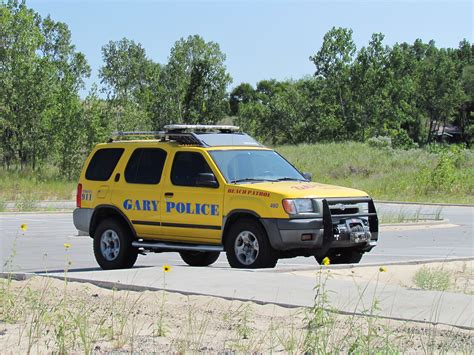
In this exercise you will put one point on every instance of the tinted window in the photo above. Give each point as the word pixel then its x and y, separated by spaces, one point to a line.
pixel 145 166
pixel 260 165
pixel 186 167
pixel 103 164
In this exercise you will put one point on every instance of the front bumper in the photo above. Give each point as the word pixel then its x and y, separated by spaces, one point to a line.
pixel 326 232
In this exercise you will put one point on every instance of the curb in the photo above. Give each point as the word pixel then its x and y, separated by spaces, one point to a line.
pixel 127 287
pixel 425 222
pixel 425 203
pixel 352 266
pixel 35 212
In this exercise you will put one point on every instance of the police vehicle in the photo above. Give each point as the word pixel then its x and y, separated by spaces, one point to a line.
pixel 201 190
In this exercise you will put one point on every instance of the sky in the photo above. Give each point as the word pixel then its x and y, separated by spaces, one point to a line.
pixel 261 39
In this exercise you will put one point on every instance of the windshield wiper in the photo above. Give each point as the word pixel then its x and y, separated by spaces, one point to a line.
pixel 249 179
pixel 289 179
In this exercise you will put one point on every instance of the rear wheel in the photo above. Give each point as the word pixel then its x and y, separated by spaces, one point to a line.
pixel 247 246
pixel 199 258
pixel 344 256
pixel 113 245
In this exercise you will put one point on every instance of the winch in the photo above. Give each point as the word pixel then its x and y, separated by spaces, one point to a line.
pixel 354 229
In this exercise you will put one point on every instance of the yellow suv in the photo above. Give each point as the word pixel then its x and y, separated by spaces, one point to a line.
pixel 200 190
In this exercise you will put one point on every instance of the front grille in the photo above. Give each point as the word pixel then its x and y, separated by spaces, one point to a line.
pixel 350 210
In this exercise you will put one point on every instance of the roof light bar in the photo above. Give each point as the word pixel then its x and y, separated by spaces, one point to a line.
pixel 201 127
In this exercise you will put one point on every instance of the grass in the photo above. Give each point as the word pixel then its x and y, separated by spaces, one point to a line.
pixel 43 315
pixel 415 175
pixel 404 216
pixel 23 187
pixel 386 174
pixel 445 277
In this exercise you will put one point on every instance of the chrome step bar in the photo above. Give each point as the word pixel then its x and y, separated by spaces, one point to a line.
pixel 177 247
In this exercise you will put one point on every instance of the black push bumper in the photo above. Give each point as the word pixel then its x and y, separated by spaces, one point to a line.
pixel 335 229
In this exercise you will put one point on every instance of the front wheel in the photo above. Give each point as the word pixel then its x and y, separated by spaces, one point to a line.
pixel 113 245
pixel 199 258
pixel 247 246
pixel 348 256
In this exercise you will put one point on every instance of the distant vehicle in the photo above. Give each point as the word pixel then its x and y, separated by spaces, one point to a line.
pixel 202 190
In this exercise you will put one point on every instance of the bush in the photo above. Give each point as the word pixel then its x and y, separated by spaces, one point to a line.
pixel 380 142
pixel 401 140
pixel 436 279
pixel 448 174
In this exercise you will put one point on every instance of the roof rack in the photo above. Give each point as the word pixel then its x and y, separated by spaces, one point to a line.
pixel 181 133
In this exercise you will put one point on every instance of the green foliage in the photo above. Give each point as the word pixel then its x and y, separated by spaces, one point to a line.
pixel 193 84
pixel 40 109
pixel 437 279
pixel 380 142
pixel 386 174
pixel 401 140
pixel 451 173
pixel 129 79
pixel 407 92
pixel 25 186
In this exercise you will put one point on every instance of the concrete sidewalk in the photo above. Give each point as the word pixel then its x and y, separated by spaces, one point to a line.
pixel 292 289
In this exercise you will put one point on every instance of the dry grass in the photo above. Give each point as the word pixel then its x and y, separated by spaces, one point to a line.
pixel 46 315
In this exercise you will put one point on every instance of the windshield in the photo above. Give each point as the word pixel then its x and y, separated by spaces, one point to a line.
pixel 254 166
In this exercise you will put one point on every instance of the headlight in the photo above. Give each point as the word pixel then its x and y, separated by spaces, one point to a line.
pixel 299 206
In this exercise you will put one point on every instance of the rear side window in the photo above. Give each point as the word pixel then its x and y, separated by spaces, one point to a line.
pixel 145 166
pixel 186 167
pixel 103 164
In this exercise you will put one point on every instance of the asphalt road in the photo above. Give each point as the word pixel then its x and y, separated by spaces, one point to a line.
pixel 41 247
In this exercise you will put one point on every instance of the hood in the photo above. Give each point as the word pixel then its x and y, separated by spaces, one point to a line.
pixel 301 189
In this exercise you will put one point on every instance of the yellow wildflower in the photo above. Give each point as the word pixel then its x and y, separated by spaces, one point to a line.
pixel 166 268
pixel 24 227
pixel 382 269
pixel 67 245
pixel 326 261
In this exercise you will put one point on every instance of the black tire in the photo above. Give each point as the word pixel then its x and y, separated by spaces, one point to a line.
pixel 344 256
pixel 264 257
pixel 199 258
pixel 125 255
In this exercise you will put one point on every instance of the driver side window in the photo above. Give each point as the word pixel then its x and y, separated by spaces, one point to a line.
pixel 186 168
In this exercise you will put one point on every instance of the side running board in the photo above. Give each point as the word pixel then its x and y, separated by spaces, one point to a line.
pixel 176 246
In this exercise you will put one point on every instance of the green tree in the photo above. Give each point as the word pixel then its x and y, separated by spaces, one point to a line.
pixel 243 93
pixel 441 92
pixel 370 88
pixel 333 62
pixel 194 82
pixel 129 79
pixel 40 76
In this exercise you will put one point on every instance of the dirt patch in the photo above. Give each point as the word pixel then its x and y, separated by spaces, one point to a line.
pixel 43 315
pixel 461 274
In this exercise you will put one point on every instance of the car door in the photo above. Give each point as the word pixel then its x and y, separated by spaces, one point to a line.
pixel 137 190
pixel 191 213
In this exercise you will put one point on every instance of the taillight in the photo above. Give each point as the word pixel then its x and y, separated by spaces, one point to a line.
pixel 79 196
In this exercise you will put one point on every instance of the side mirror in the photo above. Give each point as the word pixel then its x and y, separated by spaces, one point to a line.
pixel 207 180
pixel 307 176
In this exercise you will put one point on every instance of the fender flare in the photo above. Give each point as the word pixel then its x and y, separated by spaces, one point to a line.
pixel 226 219
pixel 97 209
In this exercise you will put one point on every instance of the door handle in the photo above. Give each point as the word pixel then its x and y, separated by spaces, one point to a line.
pixel 169 194
pixel 117 177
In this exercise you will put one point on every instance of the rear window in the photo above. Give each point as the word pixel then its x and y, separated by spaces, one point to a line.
pixel 103 164
pixel 145 166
